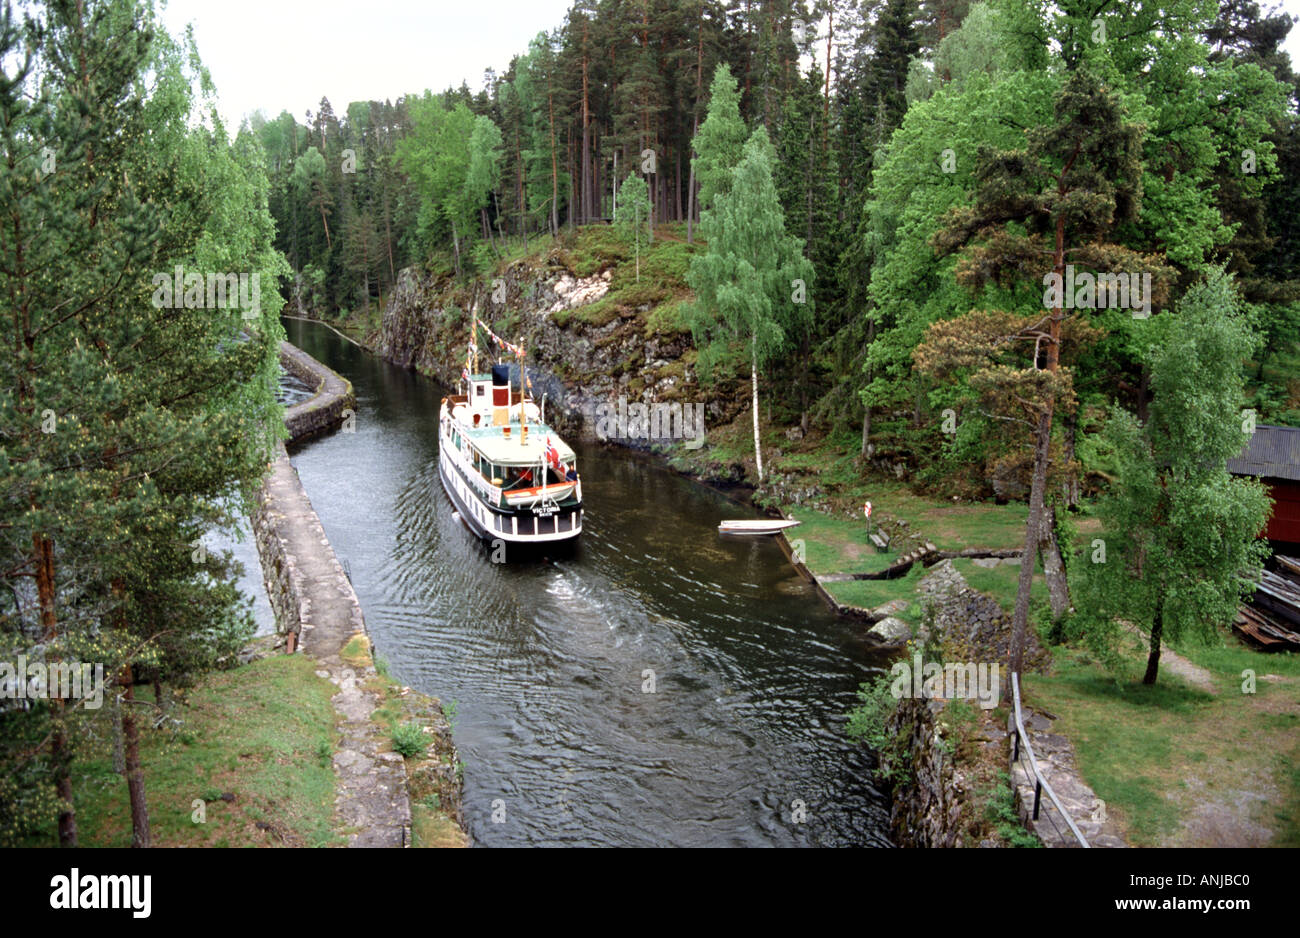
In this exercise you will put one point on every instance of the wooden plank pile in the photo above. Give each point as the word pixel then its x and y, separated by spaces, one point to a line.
pixel 1272 620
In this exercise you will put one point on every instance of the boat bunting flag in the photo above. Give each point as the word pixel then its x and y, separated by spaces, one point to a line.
pixel 508 346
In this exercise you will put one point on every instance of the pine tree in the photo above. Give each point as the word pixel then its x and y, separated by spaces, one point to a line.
pixel 138 422
pixel 1056 199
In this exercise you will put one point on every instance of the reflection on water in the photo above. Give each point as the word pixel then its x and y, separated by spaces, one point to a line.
pixel 550 661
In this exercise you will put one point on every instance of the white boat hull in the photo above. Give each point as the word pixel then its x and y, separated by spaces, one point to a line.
pixel 755 527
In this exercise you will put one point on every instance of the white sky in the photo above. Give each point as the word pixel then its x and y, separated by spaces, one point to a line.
pixel 286 54
pixel 278 54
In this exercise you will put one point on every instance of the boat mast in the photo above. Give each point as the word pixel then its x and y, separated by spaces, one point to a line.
pixel 471 355
pixel 523 396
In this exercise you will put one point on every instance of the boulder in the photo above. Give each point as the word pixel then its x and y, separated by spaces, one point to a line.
pixel 891 631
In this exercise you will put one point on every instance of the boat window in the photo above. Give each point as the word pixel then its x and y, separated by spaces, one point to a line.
pixel 519 477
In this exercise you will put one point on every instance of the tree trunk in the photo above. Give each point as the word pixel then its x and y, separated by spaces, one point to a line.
pixel 1042 455
pixel 134 771
pixel 491 237
pixel 690 194
pixel 324 221
pixel 1072 486
pixel 555 169
pixel 695 124
pixel 753 375
pixel 1153 656
pixel 1020 618
pixel 585 165
pixel 61 760
pixel 1058 587
pixel 388 241
pixel 162 696
pixel 826 105
pixel 60 751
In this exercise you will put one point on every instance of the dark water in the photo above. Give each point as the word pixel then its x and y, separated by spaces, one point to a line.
pixel 292 389
pixel 546 660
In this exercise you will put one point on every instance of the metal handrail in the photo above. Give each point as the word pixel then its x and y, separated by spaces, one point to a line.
pixel 1040 784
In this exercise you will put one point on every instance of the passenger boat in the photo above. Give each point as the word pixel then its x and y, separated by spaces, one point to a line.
pixel 509 475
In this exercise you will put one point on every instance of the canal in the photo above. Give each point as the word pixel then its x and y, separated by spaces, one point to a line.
pixel 740 743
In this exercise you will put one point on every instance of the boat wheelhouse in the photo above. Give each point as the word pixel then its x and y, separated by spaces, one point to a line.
pixel 508 474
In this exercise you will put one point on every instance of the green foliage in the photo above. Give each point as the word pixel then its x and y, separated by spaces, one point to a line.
pixel 868 722
pixel 409 739
pixel 1000 810
pixel 744 280
pixel 633 216
pixel 1179 530
pixel 163 406
pixel 721 139
pixel 453 159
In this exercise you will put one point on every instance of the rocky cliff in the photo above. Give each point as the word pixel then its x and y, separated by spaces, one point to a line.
pixel 595 334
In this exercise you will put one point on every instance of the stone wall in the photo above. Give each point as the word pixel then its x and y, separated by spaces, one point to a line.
pixel 933 807
pixel 332 404
pixel 935 804
pixel 325 411
pixel 317 611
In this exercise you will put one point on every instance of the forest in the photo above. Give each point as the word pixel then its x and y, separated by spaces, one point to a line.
pixel 878 114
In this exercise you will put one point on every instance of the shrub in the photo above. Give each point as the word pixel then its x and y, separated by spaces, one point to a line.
pixel 409 740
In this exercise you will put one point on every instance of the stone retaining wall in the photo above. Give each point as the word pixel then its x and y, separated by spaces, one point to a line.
pixel 325 411
pixel 333 403
pixel 318 612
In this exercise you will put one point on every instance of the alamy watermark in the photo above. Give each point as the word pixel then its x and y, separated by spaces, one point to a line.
pixel 659 421
pixel 951 680
pixel 63 680
pixel 181 290
pixel 1085 290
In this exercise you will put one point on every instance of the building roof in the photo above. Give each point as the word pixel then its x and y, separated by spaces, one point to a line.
pixel 1273 452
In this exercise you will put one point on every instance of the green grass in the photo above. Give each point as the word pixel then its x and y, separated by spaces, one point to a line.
pixel 259 733
pixel 867 594
pixel 1001 582
pixel 668 319
pixel 836 545
pixel 661 281
pixel 1163 757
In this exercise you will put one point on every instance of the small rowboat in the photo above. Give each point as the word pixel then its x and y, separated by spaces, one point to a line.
pixel 761 526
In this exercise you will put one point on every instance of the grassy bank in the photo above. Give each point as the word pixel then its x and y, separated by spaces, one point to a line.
pixel 840 545
pixel 253 745
pixel 245 759
pixel 1180 766
pixel 419 727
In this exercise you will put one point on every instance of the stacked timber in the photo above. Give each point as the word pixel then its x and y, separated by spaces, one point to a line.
pixel 1272 620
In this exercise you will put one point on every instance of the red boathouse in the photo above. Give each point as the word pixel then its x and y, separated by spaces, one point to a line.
pixel 1273 457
